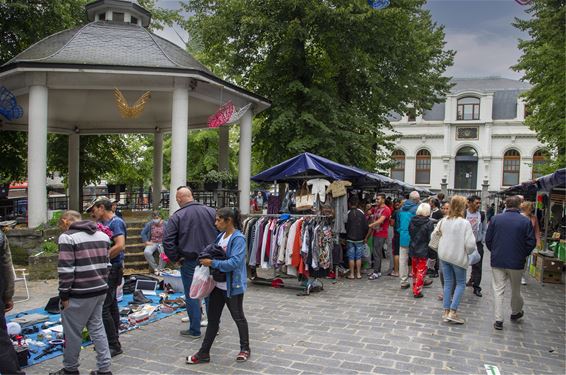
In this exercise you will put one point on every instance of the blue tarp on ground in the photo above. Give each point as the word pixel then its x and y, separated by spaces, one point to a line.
pixel 37 350
pixel 307 165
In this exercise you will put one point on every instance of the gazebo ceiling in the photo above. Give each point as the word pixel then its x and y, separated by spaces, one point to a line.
pixel 81 67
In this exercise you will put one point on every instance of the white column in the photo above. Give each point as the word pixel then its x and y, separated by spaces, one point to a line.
pixel 179 134
pixel 157 181
pixel 245 162
pixel 37 156
pixel 73 176
pixel 224 148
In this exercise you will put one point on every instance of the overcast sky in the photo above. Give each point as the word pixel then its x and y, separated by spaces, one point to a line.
pixel 481 32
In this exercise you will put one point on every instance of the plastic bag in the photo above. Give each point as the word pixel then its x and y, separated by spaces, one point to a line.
pixel 474 257
pixel 202 284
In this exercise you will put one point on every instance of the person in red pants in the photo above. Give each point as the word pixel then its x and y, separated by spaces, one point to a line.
pixel 420 229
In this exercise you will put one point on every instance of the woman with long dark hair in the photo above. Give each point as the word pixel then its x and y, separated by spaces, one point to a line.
pixel 231 292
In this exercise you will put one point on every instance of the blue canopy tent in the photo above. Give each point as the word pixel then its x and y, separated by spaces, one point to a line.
pixel 545 183
pixel 307 165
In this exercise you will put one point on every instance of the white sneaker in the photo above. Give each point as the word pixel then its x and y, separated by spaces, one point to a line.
pixel 523 280
pixel 185 319
pixel 204 323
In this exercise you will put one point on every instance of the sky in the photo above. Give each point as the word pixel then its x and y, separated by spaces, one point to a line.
pixel 480 31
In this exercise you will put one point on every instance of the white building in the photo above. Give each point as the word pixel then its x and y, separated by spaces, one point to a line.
pixel 477 136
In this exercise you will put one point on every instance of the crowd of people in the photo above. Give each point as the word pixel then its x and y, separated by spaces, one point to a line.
pixel 437 237
pixel 404 230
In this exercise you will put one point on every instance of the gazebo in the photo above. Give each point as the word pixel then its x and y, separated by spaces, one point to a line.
pixel 66 84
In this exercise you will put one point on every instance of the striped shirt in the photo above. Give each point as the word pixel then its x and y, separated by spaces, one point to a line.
pixel 83 261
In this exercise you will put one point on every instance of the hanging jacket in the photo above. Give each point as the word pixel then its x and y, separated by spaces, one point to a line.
pixel 420 229
pixel 406 213
pixel 234 265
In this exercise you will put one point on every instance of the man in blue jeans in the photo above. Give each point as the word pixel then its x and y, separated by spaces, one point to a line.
pixel 356 233
pixel 189 230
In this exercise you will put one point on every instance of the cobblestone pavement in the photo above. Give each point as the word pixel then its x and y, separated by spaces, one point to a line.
pixel 359 326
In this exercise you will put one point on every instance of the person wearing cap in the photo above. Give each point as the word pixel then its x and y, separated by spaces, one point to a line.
pixel 101 210
pixel 8 358
pixel 116 209
pixel 152 236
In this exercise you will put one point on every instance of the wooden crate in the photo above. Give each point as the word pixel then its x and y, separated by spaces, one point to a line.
pixel 549 270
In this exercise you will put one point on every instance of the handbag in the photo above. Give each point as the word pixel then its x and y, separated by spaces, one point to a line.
pixel 474 257
pixel 305 199
pixel 435 237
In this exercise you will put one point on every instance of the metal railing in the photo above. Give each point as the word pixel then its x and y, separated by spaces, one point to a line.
pixel 16 208
pixel 464 192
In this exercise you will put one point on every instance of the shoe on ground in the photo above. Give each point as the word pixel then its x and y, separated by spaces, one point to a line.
pixel 115 351
pixel 197 358
pixel 243 356
pixel 187 333
pixel 445 316
pixel 427 282
pixel 405 285
pixel 374 276
pixel 185 319
pixel 420 295
pixel 519 315
pixel 204 323
pixel 523 280
pixel 454 318
pixel 498 325
pixel 64 372
pixel 100 372
pixel 477 292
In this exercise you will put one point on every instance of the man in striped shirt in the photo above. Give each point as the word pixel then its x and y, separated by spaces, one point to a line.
pixel 83 273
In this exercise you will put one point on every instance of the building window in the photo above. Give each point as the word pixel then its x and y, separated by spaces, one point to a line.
pixel 539 159
pixel 468 108
pixel 102 16
pixel 423 167
pixel 467 133
pixel 118 17
pixel 134 20
pixel 511 167
pixel 398 170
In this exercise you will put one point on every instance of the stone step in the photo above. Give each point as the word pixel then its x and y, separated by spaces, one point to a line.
pixel 135 239
pixel 136 267
pixel 134 248
pixel 134 257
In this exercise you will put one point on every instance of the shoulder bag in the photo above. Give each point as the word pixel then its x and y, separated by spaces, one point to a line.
pixel 305 199
pixel 436 236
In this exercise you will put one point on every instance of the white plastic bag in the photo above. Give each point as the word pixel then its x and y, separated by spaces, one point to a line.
pixel 202 284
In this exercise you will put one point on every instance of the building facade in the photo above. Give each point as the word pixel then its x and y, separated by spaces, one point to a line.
pixel 476 137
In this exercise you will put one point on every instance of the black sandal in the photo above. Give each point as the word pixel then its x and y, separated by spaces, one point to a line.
pixel 243 356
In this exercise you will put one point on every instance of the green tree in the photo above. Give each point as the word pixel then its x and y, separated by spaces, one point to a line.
pixel 544 65
pixel 333 69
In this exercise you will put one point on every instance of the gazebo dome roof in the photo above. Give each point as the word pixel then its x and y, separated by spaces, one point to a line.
pixel 109 43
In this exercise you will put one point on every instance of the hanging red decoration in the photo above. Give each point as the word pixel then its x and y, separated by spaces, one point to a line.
pixel 222 116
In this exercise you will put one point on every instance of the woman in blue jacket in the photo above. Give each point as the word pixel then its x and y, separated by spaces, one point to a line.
pixel 231 292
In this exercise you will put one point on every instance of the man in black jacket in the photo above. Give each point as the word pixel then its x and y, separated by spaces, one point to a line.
pixel 189 230
pixel 510 238
pixel 356 233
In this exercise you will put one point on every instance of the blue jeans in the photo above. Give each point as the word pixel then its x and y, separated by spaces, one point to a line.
pixel 453 274
pixel 355 250
pixel 193 305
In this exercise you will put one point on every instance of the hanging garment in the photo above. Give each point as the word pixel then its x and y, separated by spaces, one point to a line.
pixel 318 188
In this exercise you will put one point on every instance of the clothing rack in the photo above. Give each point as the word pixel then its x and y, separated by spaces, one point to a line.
pixel 277 281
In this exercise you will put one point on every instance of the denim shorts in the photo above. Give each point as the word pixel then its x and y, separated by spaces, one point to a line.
pixel 355 250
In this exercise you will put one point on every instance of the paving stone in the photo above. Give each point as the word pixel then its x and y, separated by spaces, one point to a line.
pixel 347 329
pixel 363 367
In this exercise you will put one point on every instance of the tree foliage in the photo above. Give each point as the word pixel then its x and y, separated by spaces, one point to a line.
pixel 333 69
pixel 544 65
